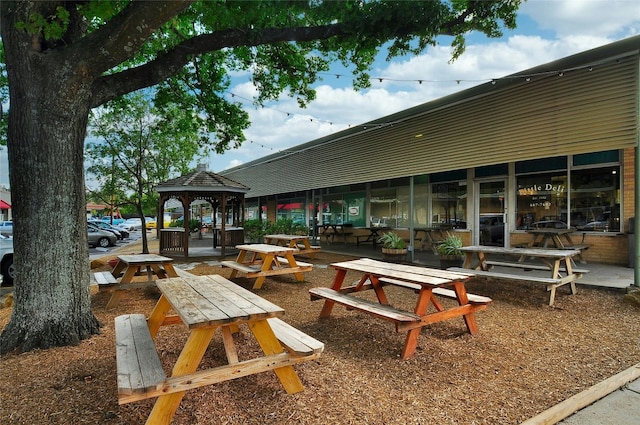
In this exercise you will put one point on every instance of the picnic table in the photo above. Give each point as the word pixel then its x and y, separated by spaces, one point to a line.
pixel 431 236
pixel 123 275
pixel 299 242
pixel 557 261
pixel 549 238
pixel 331 230
pixel 262 260
pixel 428 283
pixel 204 304
pixel 372 236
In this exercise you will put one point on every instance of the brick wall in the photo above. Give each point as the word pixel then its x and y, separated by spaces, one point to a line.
pixel 606 248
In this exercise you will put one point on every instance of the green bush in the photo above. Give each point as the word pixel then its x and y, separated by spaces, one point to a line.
pixel 194 224
pixel 392 240
pixel 286 226
pixel 254 230
pixel 450 246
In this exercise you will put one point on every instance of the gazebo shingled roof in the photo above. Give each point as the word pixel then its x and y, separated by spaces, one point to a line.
pixel 202 180
pixel 200 184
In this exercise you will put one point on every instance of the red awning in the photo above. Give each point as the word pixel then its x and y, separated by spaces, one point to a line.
pixel 292 206
pixel 4 205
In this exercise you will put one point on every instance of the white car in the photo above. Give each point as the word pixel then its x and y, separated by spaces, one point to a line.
pixel 7 269
pixel 6 228
pixel 132 224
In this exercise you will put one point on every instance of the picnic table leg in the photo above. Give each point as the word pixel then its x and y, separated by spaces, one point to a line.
pixel 240 260
pixel 382 297
pixel 411 340
pixel 157 316
pixel 267 264
pixel 270 345
pixel 469 318
pixel 337 284
pixel 190 357
pixel 292 263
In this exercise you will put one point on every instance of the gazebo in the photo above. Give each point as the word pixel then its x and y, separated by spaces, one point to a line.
pixel 227 201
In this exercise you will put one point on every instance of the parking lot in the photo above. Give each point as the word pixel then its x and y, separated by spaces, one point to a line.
pixel 134 235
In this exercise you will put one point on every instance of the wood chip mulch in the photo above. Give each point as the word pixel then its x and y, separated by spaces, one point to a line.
pixel 526 358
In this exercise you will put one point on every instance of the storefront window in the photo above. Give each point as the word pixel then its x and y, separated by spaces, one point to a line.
pixel 542 201
pixel 595 199
pixel 421 205
pixel 449 204
pixel 293 209
pixel 384 207
pixel 344 208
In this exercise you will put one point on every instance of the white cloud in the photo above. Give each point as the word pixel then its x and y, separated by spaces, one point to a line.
pixel 605 18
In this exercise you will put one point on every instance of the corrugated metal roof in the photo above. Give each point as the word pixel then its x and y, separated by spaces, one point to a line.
pixel 594 106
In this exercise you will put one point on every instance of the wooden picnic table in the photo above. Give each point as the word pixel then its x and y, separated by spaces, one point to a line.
pixel 549 238
pixel 372 236
pixel 204 304
pixel 263 260
pixel 428 283
pixel 123 275
pixel 431 236
pixel 557 261
pixel 299 242
pixel 331 230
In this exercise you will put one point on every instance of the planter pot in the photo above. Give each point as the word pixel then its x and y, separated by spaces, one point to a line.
pixel 395 255
pixel 447 261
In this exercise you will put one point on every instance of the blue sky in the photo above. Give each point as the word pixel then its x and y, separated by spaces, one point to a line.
pixel 547 30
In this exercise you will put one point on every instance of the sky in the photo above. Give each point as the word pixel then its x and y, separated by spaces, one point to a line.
pixel 546 30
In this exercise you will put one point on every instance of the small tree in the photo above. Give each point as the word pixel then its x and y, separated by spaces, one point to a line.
pixel 139 147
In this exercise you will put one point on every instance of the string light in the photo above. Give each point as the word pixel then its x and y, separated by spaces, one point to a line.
pixel 493 81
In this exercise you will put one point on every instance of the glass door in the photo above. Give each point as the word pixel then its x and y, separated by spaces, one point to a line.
pixel 491 213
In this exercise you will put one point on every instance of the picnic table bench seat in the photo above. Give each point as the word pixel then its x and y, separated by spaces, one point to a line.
pixel 442 292
pixel 141 375
pixel 137 361
pixel 104 278
pixel 255 271
pixel 551 284
pixel 527 266
pixel 374 308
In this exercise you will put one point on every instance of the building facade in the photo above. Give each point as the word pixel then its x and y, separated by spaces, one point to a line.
pixel 551 146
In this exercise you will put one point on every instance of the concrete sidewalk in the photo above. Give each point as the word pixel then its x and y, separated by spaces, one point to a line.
pixel 614 401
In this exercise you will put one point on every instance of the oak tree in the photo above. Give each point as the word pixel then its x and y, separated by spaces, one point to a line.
pixel 65 58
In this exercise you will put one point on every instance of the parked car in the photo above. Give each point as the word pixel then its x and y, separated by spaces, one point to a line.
pixel 7 269
pixel 132 224
pixel 595 226
pixel 99 237
pixel 6 228
pixel 546 224
pixel 150 223
pixel 119 232
pixel 98 226
pixel 116 220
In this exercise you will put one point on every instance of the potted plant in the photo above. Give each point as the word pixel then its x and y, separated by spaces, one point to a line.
pixel 394 248
pixel 449 252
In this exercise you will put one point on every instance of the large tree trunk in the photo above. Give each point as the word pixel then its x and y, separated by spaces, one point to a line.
pixel 47 125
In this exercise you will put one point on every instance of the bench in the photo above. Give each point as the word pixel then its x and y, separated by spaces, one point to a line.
pixel 550 283
pixel 442 292
pixel 240 267
pixel 371 307
pixel 104 278
pixel 526 266
pixel 138 364
pixel 283 260
pixel 140 371
pixel 255 271
pixel 294 340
